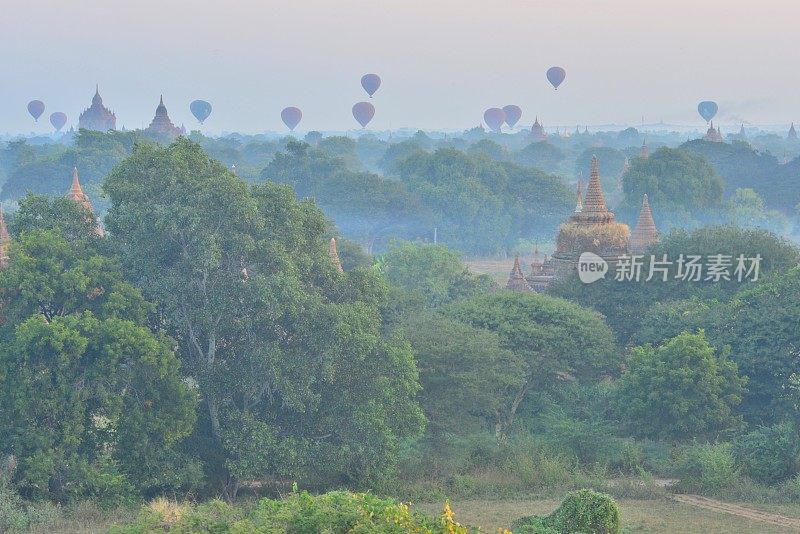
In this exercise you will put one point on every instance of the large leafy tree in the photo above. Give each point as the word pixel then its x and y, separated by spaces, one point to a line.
pixel 91 399
pixel 295 376
pixel 682 186
pixel 680 390
pixel 761 327
pixel 467 376
pixel 556 340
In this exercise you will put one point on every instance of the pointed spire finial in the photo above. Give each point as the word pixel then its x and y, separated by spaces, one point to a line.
pixel 645 232
pixel 516 280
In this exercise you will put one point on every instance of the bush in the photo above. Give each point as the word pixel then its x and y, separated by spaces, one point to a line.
pixel 707 468
pixel 769 454
pixel 335 512
pixel 582 511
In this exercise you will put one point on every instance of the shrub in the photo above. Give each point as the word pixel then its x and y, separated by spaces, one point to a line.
pixel 335 512
pixel 582 511
pixel 708 467
pixel 769 454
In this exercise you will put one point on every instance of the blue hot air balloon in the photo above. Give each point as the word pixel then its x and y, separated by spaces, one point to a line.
pixel 58 120
pixel 556 75
pixel 200 109
pixel 36 108
pixel 494 118
pixel 513 114
pixel 291 117
pixel 370 83
pixel 363 113
pixel 707 109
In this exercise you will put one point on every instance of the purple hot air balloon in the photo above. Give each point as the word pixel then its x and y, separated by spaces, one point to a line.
pixel 494 118
pixel 513 114
pixel 58 120
pixel 291 117
pixel 556 75
pixel 363 113
pixel 36 108
pixel 370 83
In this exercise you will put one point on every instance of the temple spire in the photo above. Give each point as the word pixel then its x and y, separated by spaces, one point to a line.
pixel 645 233
pixel 334 254
pixel 516 280
pixel 579 205
pixel 595 202
pixel 645 151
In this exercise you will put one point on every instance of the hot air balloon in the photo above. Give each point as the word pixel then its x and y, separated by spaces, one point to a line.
pixel 370 83
pixel 513 114
pixel 200 109
pixel 556 75
pixel 494 118
pixel 363 113
pixel 291 117
pixel 58 120
pixel 36 108
pixel 707 109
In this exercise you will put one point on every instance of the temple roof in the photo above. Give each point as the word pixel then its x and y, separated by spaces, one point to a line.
pixel 792 132
pixel 97 117
pixel 76 193
pixel 161 123
pixel 645 233
pixel 644 152
pixel 595 202
pixel 516 280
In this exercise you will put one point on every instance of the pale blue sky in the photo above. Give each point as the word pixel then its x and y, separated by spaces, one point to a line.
pixel 442 62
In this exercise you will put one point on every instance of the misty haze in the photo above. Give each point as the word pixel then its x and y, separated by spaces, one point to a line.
pixel 400 267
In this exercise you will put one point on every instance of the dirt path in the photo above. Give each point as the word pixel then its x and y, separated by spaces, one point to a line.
pixel 741 511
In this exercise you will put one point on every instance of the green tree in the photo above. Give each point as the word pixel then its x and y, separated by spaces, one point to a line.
pixel 467 376
pixel 435 273
pixel 91 399
pixel 681 390
pixel 682 187
pixel 761 327
pixel 295 376
pixel 556 340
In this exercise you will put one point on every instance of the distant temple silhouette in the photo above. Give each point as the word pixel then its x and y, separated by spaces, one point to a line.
pixel 537 131
pixel 97 117
pixel 713 134
pixel 162 125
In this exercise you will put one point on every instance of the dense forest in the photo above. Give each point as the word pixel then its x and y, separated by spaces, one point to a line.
pixel 207 346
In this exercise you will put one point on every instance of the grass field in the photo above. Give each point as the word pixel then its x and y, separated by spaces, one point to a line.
pixel 650 516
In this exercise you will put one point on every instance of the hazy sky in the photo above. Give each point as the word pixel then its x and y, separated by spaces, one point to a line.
pixel 442 61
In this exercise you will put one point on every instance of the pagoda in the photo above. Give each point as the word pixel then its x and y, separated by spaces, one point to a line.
pixel 77 195
pixel 334 255
pixel 5 241
pixel 537 131
pixel 542 272
pixel 516 280
pixel 645 232
pixel 593 228
pixel 792 133
pixel 97 117
pixel 644 152
pixel 162 125
pixel 713 134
